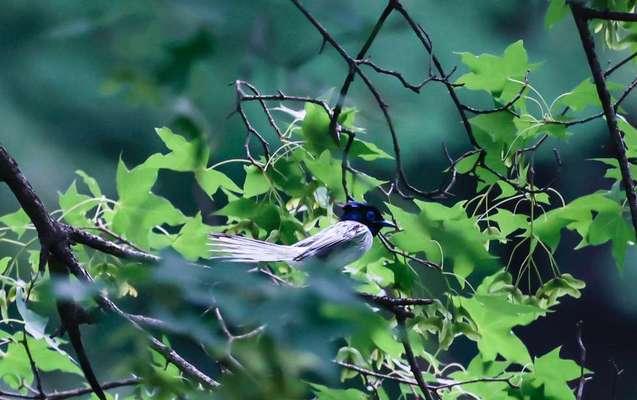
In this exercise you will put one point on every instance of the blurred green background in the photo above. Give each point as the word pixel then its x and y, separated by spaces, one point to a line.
pixel 84 83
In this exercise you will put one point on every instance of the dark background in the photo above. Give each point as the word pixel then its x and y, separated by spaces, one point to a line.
pixel 83 83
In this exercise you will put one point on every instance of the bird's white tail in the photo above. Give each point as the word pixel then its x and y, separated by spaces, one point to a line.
pixel 245 250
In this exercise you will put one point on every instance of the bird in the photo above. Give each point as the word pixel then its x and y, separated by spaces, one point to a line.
pixel 336 246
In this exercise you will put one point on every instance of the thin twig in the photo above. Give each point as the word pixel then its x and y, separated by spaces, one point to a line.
pixel 505 107
pixel 618 372
pixel 345 165
pixel 414 87
pixel 582 361
pixel 34 368
pixel 476 380
pixel 620 64
pixel 375 374
pixel 411 359
pixel 392 248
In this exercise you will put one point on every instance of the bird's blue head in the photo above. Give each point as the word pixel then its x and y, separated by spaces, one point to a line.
pixel 365 214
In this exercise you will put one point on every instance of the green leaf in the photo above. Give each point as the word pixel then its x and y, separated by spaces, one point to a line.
pixel 256 182
pixel 509 222
pixel 528 129
pixel 211 180
pixel 184 155
pixel 563 285
pixel 556 12
pixel 90 182
pixel 630 136
pixel 192 241
pixel 595 217
pixel 444 229
pixel 498 126
pixel 139 210
pixel 478 369
pixel 17 221
pixel 366 151
pixel 315 129
pixel 14 362
pixel 188 156
pixel 288 175
pixel 584 95
pixel 135 184
pixel 495 317
pixel 466 164
pixel 377 272
pixel 33 323
pixel 554 373
pixel 263 214
pixel 328 170
pixel 491 73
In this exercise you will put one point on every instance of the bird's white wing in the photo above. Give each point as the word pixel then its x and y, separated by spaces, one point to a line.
pixel 235 248
pixel 343 238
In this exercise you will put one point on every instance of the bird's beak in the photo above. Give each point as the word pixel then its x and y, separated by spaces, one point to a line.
pixel 388 224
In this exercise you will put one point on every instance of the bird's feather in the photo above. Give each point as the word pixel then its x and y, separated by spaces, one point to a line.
pixel 338 245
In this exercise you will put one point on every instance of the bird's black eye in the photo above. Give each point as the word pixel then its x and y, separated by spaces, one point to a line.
pixel 371 215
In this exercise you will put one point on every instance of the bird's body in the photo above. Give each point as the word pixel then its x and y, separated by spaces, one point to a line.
pixel 335 247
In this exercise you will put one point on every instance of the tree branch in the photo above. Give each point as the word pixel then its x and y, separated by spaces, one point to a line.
pixel 581 15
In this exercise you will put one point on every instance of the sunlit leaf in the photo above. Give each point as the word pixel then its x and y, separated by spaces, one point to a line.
pixel 490 73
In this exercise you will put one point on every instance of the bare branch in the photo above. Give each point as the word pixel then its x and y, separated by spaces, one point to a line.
pixel 581 15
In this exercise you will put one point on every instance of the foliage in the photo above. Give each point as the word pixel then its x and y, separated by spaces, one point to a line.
pixel 278 332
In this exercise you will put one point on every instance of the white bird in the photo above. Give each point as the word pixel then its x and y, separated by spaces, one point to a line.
pixel 335 247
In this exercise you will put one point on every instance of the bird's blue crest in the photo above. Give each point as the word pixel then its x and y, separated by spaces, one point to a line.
pixel 365 214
